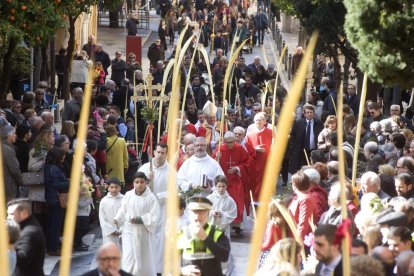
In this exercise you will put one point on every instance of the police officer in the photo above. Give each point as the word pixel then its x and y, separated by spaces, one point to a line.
pixel 202 246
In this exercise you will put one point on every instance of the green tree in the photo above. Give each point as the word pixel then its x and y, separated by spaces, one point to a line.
pixel 382 32
pixel 30 22
pixel 327 16
pixel 285 6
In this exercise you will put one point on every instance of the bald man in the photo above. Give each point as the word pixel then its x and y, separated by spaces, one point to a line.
pixel 109 262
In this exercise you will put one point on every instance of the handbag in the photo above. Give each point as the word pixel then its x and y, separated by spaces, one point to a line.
pixel 63 200
pixel 33 178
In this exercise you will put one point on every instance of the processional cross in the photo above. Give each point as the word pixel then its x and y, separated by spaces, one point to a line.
pixel 150 114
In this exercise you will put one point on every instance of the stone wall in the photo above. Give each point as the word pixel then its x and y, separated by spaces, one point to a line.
pixel 289 24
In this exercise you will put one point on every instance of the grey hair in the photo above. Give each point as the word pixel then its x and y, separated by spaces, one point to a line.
pixel 313 175
pixel 371 147
pixel 371 178
pixel 200 138
pixel 229 134
pixel 376 126
pixel 239 128
pixel 335 192
pixel 260 115
pixel 6 130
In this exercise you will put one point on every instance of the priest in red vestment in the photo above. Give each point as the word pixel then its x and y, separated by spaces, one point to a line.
pixel 249 175
pixel 234 161
pixel 260 138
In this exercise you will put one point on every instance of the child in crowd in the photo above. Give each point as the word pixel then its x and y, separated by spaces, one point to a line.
pixel 99 74
pixel 274 229
pixel 108 208
pixel 224 209
pixel 182 216
pixel 84 210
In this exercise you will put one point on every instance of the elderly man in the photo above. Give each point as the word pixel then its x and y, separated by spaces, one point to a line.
pixel 199 170
pixel 203 247
pixel 370 149
pixel 72 107
pixel 234 161
pixel 371 183
pixel 30 248
pixel 317 192
pixel 260 139
pixel 108 259
pixel 250 180
pixel 12 174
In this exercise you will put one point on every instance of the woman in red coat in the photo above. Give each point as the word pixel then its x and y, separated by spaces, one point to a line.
pixel 302 207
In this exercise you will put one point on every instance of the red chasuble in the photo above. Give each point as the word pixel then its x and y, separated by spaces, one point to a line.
pixel 256 138
pixel 249 176
pixel 235 157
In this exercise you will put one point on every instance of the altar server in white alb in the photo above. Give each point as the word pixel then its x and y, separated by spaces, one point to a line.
pixel 108 208
pixel 199 170
pixel 224 209
pixel 159 178
pixel 140 212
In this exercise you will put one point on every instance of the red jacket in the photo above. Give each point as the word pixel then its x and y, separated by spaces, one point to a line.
pixel 302 208
pixel 321 200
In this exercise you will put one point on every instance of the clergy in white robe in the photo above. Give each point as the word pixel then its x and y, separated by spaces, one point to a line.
pixel 199 170
pixel 224 209
pixel 108 207
pixel 159 177
pixel 140 211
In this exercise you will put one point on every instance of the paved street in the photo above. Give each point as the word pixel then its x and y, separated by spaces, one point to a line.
pixel 112 41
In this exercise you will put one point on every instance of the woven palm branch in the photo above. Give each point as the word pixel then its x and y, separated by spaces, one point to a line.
pixel 150 114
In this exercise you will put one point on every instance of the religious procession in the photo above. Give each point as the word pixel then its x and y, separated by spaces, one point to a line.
pixel 209 148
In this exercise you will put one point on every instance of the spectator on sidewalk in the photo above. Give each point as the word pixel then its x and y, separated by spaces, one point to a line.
pixel 156 52
pixel 102 57
pixel 132 24
pixel 296 60
pixel 90 47
pixel 30 247
pixel 12 174
pixel 109 262
pixel 119 67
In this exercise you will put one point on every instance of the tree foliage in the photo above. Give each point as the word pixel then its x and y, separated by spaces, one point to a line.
pixel 327 16
pixel 383 33
pixel 285 6
pixel 32 20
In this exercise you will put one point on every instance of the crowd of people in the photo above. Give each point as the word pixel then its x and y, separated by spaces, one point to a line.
pixel 219 167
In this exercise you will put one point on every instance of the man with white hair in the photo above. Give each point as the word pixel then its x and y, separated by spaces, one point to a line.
pixel 260 139
pixel 371 183
pixel 234 161
pixel 370 149
pixel 199 170
pixel 334 214
pixel 318 193
pixel 239 138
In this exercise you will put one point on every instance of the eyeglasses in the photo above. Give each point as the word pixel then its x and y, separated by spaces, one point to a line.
pixel 107 259
pixel 256 110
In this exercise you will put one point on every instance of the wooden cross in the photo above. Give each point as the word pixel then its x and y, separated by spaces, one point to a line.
pixel 149 87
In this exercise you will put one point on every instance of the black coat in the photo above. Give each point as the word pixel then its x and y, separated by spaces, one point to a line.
pixel 118 71
pixel 95 272
pixel 297 142
pixel 30 249
pixel 155 54
pixel 103 57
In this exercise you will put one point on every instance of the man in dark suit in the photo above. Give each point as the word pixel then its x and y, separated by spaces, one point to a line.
pixel 30 247
pixel 328 251
pixel 109 262
pixel 304 135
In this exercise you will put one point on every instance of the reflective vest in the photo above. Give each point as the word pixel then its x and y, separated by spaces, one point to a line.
pixel 194 249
